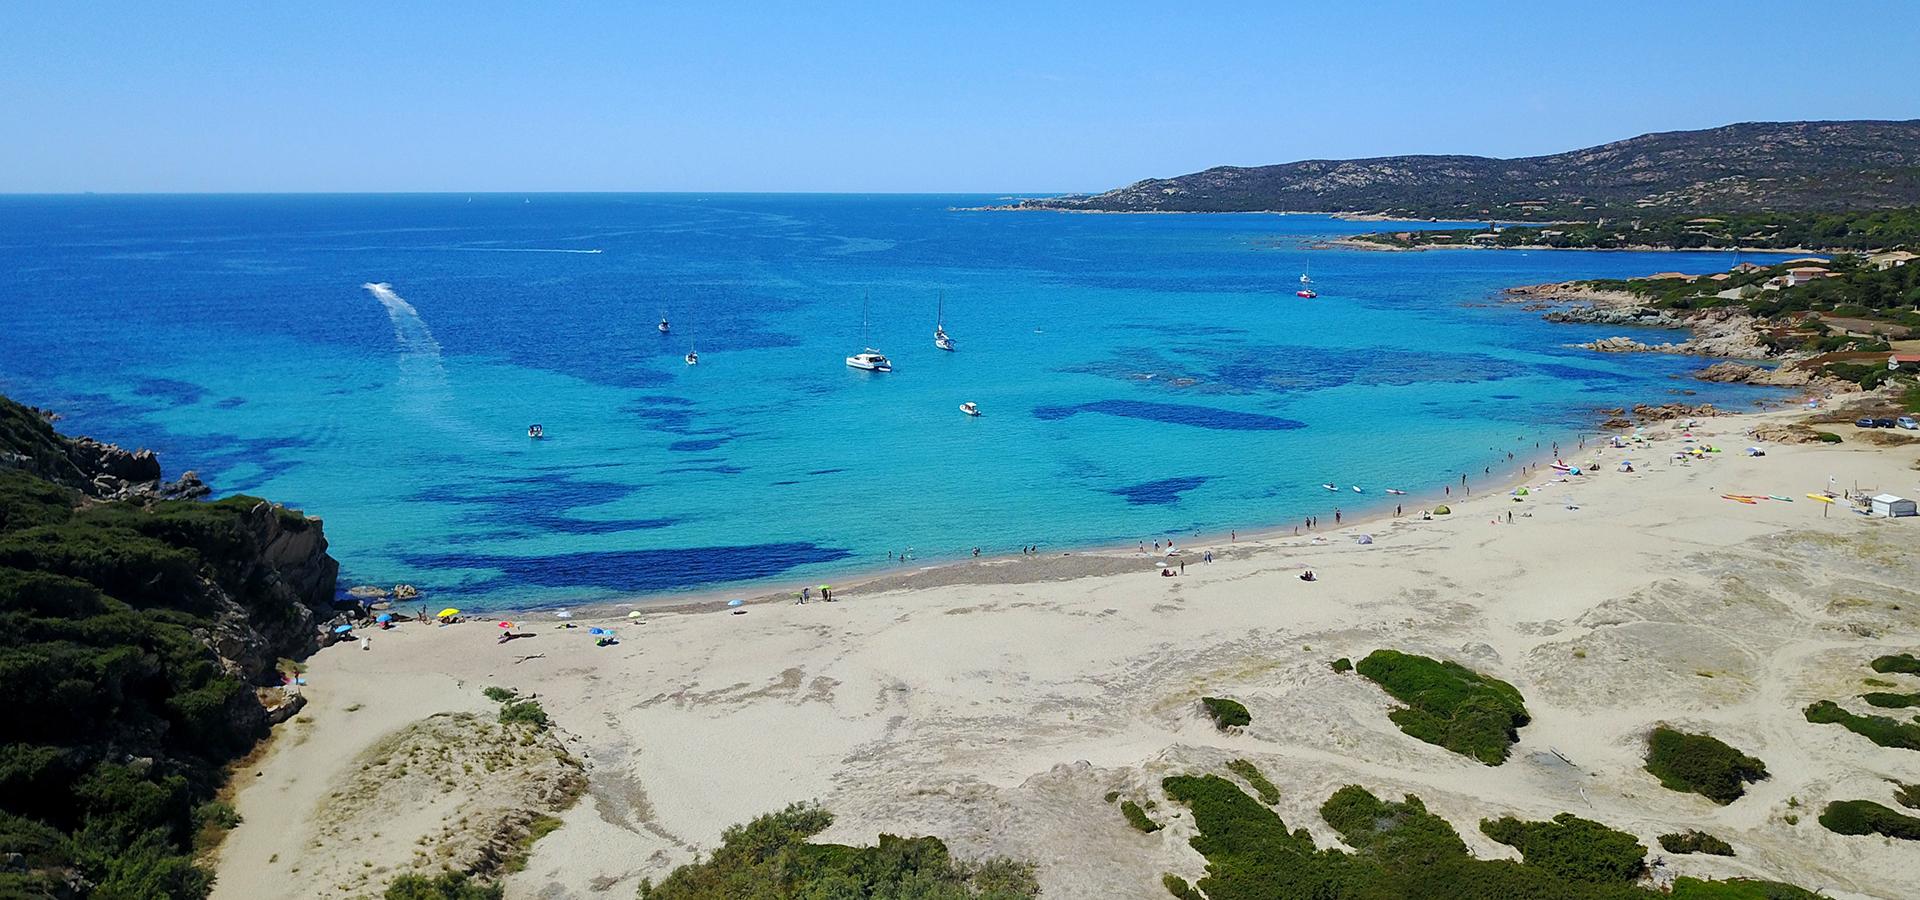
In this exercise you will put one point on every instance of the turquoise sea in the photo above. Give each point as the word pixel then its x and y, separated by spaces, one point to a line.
pixel 376 360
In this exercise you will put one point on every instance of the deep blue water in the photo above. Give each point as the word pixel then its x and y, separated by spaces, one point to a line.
pixel 1140 375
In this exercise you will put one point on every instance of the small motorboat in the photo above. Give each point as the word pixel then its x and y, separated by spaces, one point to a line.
pixel 693 359
pixel 970 408
pixel 1357 490
pixel 1329 487
pixel 870 360
pixel 1307 293
pixel 663 326
pixel 1395 491
pixel 536 432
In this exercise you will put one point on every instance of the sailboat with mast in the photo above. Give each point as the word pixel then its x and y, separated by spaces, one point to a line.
pixel 664 327
pixel 693 356
pixel 1306 283
pixel 940 337
pixel 869 359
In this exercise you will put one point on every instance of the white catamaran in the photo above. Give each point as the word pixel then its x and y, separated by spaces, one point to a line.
pixel 869 359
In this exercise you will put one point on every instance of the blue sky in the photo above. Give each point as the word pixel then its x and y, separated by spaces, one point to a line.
pixel 1016 97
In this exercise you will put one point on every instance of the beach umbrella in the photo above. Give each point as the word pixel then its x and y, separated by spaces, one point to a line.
pixel 563 614
pixel 384 617
pixel 736 602
pixel 506 624
pixel 449 611
pixel 342 629
pixel 596 630
pixel 635 614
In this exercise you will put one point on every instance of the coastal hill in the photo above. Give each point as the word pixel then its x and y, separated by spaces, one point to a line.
pixel 1753 166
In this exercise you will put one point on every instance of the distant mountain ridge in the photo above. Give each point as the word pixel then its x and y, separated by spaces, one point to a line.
pixel 1748 167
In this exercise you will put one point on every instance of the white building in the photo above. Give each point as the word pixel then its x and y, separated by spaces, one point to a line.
pixel 1889 506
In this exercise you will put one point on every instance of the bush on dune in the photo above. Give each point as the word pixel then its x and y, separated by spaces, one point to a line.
pixel 1402 850
pixel 1448 704
pixel 1904 663
pixel 1881 730
pixel 1868 817
pixel 770 858
pixel 1695 842
pixel 1701 764
pixel 1226 713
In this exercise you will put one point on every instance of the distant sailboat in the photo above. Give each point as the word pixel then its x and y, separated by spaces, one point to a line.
pixel 663 326
pixel 1306 283
pixel 940 338
pixel 693 357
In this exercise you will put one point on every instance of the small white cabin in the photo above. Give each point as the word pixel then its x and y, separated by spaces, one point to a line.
pixel 1891 507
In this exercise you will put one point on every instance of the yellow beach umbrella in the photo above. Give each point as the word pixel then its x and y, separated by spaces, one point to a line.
pixel 449 611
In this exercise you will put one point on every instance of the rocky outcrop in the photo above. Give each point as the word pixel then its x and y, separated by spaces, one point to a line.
pixel 1787 433
pixel 102 471
pixel 1625 345
pixel 1650 413
pixel 1729 373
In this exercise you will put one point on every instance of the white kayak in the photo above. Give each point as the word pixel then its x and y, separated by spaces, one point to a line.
pixel 1330 487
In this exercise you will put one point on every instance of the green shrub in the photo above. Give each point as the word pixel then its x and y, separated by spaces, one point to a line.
pixel 1868 817
pixel 445 886
pixel 1343 664
pixel 1908 795
pixel 499 694
pixel 1827 437
pixel 211 822
pixel 1179 887
pixel 1695 842
pixel 1226 713
pixel 1886 700
pixel 1700 764
pixel 524 712
pixel 1448 704
pixel 1138 817
pixel 1904 663
pixel 1402 850
pixel 1686 888
pixel 1261 786
pixel 770 858
pixel 1879 729
pixel 1572 848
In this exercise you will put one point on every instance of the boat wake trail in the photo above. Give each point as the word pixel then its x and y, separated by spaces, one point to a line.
pixel 419 351
pixel 521 250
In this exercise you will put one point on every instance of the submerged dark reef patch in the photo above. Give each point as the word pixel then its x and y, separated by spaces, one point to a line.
pixel 636 571
pixel 1173 414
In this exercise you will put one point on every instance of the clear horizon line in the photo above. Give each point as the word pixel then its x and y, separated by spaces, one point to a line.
pixel 456 193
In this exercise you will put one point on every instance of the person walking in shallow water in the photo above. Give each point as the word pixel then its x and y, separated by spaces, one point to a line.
pixel 1336 515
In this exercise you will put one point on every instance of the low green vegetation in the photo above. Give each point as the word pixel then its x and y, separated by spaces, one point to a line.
pixel 541 826
pixel 1881 730
pixel 1138 818
pixel 1226 713
pixel 211 822
pixel 1868 817
pixel 1448 704
pixel 771 858
pixel 1261 786
pixel 1888 700
pixel 1860 230
pixel 1572 848
pixel 1904 663
pixel 515 711
pixel 1402 850
pixel 1908 795
pixel 1695 842
pixel 1343 664
pixel 1179 887
pixel 444 886
pixel 1701 764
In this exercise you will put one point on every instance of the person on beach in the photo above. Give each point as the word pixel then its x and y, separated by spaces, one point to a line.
pixel 1209 557
pixel 1509 517
pixel 1336 515
pixel 1449 490
pixel 1183 567
pixel 1233 535
pixel 976 553
pixel 1396 510
pixel 1308 576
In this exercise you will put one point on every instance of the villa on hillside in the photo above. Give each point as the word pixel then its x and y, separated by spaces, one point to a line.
pixel 1891 259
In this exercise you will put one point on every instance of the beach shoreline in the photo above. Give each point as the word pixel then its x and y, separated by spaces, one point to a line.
pixel 993 704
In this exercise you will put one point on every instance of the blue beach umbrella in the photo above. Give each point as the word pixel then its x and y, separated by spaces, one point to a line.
pixel 596 630
pixel 736 602
pixel 342 629
pixel 383 617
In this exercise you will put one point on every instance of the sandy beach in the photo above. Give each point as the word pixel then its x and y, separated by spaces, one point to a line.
pixel 995 703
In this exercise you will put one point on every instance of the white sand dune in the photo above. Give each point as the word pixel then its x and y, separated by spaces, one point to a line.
pixel 994 704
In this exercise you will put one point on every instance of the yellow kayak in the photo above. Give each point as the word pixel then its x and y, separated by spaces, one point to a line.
pixel 1820 497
